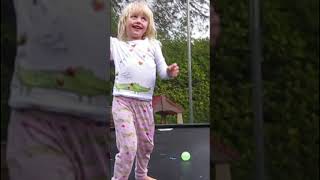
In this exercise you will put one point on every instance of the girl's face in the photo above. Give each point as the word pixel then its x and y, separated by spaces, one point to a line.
pixel 136 26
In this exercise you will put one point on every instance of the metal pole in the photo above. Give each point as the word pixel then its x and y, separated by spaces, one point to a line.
pixel 256 59
pixel 189 64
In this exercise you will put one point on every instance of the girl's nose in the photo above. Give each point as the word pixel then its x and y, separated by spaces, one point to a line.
pixel 139 19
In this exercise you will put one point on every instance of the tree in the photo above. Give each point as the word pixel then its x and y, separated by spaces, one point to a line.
pixel 290 83
pixel 171 16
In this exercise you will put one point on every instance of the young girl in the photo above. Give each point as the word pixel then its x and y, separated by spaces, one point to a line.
pixel 137 56
pixel 57 128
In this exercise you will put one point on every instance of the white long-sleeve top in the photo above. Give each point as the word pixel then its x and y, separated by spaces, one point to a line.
pixel 136 63
pixel 60 64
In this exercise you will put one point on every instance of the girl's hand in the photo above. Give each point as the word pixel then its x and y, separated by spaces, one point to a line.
pixel 173 70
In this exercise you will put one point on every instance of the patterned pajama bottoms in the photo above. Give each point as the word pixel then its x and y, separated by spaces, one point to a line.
pixel 51 146
pixel 134 126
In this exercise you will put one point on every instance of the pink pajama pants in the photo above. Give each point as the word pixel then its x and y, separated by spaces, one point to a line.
pixel 134 126
pixel 51 146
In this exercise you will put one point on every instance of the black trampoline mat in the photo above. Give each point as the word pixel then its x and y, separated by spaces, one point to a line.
pixel 170 142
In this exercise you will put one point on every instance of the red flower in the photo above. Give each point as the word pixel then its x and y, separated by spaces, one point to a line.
pixel 98 5
pixel 71 71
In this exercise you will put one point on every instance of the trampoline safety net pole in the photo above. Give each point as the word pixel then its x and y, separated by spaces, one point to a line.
pixel 189 64
pixel 256 59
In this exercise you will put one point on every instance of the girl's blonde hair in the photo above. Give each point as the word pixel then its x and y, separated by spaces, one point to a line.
pixel 136 7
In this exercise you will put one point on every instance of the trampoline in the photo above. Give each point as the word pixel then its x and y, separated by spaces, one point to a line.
pixel 170 142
